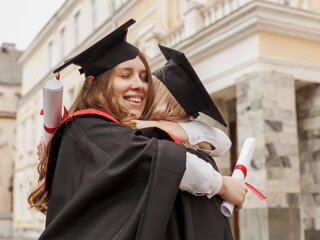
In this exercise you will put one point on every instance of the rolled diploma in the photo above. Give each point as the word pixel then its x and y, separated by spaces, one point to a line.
pixel 52 106
pixel 244 159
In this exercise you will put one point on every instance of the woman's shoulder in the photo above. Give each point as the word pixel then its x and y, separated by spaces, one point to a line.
pixel 155 132
pixel 93 114
pixel 78 126
pixel 92 118
pixel 95 123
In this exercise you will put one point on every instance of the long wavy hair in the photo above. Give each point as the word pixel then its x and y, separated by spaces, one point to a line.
pixel 96 92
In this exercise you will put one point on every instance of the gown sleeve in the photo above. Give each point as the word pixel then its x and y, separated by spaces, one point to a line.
pixel 200 178
pixel 107 181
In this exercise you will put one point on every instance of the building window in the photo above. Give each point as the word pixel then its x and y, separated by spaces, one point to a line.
pixel 118 3
pixel 21 140
pixel 34 130
pixel 18 201
pixel 50 55
pixel 94 14
pixel 27 189
pixel 305 4
pixel 30 135
pixel 39 127
pixel 76 28
pixel 115 4
pixel 291 3
pixel 69 97
pixel 62 42
pixel 17 97
pixel 183 6
pixel 1 101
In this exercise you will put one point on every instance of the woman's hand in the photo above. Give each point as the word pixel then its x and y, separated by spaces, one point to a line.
pixel 41 150
pixel 233 190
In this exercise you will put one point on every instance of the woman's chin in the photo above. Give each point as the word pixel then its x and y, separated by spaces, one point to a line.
pixel 137 114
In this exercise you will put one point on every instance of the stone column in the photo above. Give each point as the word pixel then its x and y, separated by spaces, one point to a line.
pixel 266 110
pixel 193 19
pixel 308 111
pixel 223 162
pixel 151 48
pixel 167 15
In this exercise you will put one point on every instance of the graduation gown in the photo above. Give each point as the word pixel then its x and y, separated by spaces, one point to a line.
pixel 195 217
pixel 107 181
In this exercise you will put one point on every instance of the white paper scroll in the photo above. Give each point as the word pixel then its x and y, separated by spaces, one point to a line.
pixel 243 159
pixel 52 106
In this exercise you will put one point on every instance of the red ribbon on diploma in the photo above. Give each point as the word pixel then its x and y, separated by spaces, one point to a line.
pixel 243 169
pixel 51 130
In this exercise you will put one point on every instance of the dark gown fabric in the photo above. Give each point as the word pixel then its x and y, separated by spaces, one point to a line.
pixel 197 218
pixel 107 181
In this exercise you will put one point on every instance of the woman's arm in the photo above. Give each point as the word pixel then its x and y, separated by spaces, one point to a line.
pixel 170 127
pixel 201 179
pixel 196 133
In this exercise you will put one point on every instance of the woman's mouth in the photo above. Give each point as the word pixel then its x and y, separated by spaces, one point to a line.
pixel 133 99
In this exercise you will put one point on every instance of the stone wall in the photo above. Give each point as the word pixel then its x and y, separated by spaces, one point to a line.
pixel 308 111
pixel 266 110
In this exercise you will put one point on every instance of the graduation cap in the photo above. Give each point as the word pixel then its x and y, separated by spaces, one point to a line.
pixel 104 54
pixel 184 84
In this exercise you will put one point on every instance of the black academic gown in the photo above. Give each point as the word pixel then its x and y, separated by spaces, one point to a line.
pixel 194 218
pixel 107 181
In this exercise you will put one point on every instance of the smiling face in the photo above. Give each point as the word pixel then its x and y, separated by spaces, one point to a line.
pixel 130 85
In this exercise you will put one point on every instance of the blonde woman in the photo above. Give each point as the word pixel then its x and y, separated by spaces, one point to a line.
pixel 179 98
pixel 167 114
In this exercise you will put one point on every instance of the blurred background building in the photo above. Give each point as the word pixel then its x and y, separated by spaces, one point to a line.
pixel 10 81
pixel 260 61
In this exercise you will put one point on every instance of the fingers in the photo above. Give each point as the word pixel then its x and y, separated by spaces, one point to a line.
pixel 239 205
pixel 41 149
pixel 241 197
pixel 138 123
pixel 241 202
pixel 235 191
pixel 38 154
pixel 41 144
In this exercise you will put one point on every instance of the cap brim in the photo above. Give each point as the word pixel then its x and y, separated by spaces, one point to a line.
pixel 182 61
pixel 83 55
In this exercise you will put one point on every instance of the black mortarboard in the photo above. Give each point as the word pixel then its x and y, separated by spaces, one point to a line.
pixel 104 54
pixel 184 84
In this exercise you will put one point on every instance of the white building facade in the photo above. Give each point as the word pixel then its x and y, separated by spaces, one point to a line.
pixel 10 80
pixel 260 61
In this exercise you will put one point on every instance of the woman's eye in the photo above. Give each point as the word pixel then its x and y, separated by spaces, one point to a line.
pixel 125 76
pixel 144 77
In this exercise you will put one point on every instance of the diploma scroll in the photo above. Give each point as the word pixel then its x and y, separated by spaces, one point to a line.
pixel 244 160
pixel 52 106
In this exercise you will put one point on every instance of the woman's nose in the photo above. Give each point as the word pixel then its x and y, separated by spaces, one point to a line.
pixel 137 82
